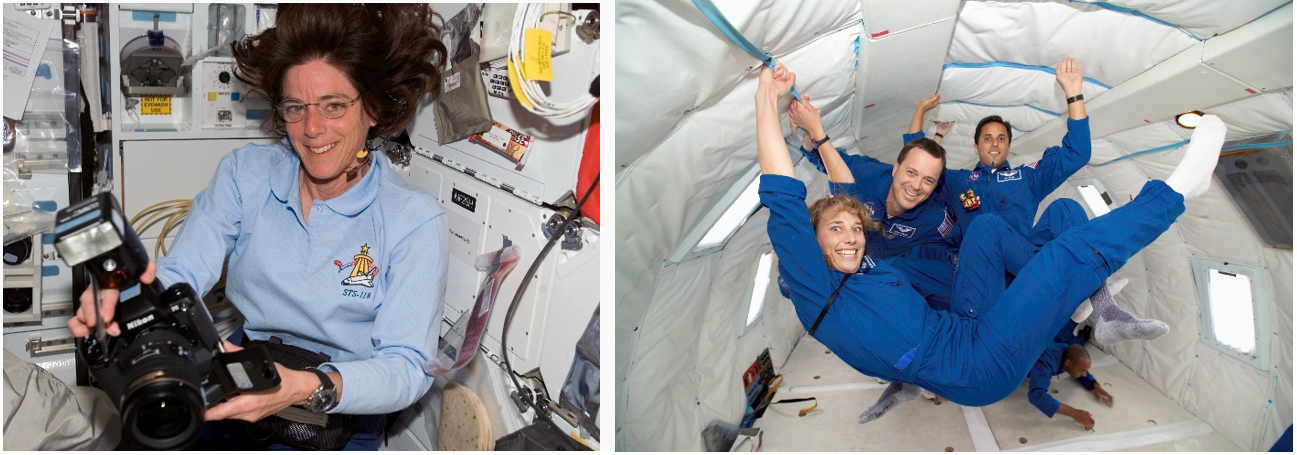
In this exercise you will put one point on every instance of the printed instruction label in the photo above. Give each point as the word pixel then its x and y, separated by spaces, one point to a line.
pixel 155 105
pixel 538 51
pixel 452 82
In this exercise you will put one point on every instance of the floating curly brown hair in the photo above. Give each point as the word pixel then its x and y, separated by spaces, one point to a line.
pixel 831 205
pixel 391 53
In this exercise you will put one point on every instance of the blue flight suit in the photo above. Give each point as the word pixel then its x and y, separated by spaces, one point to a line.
pixel 1065 335
pixel 927 224
pixel 1049 365
pixel 928 229
pixel 880 326
pixel 1014 194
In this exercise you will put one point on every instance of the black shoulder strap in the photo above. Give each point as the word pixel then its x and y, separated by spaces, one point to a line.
pixel 832 296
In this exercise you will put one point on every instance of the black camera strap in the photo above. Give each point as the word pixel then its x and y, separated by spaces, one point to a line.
pixel 827 304
pixel 99 333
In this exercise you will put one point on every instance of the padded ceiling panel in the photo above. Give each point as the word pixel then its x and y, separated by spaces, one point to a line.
pixel 1203 18
pixel 1103 40
pixel 1247 55
pixel 886 17
pixel 671 60
pixel 897 69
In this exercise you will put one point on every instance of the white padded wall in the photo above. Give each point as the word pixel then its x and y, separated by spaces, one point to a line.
pixel 1242 403
pixel 1277 415
pixel 687 135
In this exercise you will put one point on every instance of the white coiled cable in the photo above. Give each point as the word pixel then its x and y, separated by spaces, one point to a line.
pixel 527 16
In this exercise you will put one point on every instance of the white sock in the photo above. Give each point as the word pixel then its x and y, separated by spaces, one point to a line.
pixel 1115 286
pixel 1082 312
pixel 1192 177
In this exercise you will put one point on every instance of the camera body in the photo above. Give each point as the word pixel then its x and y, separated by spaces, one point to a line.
pixel 168 364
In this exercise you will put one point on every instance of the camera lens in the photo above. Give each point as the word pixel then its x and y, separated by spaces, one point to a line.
pixel 164 414
pixel 164 418
pixel 164 407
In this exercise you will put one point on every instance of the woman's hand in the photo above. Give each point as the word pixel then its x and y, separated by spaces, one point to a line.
pixel 83 322
pixel 808 116
pixel 775 84
pixel 294 387
pixel 772 154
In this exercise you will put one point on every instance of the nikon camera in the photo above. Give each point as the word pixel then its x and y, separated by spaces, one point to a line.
pixel 168 365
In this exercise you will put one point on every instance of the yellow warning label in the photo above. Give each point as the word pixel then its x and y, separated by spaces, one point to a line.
pixel 536 67
pixel 155 105
pixel 514 83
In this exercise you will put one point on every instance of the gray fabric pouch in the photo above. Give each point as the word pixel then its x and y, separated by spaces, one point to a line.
pixel 461 108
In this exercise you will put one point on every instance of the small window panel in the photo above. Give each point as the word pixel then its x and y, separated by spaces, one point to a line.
pixel 743 207
pixel 1232 321
pixel 1234 310
pixel 760 287
pixel 1095 197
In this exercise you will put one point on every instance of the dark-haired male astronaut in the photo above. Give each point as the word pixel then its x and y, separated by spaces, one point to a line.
pixel 1062 358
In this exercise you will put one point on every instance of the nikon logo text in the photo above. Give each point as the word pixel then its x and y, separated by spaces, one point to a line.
pixel 139 322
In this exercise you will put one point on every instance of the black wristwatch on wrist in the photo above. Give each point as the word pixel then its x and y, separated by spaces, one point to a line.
pixel 323 398
pixel 815 145
pixel 1076 98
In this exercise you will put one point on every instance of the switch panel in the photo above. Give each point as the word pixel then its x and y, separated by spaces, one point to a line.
pixel 221 96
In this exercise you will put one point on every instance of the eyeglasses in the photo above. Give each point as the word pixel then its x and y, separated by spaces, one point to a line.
pixel 293 111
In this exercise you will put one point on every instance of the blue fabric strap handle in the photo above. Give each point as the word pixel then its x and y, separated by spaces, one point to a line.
pixel 709 9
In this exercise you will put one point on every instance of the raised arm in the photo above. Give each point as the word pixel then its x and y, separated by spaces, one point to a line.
pixel 1068 73
pixel 772 154
pixel 921 109
pixel 1059 163
pixel 808 116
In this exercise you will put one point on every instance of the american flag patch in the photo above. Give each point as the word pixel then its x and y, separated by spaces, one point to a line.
pixel 1033 165
pixel 946 225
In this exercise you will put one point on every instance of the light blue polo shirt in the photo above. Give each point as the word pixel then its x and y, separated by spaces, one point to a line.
pixel 362 282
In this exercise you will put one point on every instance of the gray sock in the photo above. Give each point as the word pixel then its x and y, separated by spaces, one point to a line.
pixel 1115 325
pixel 1108 333
pixel 1106 306
pixel 896 393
